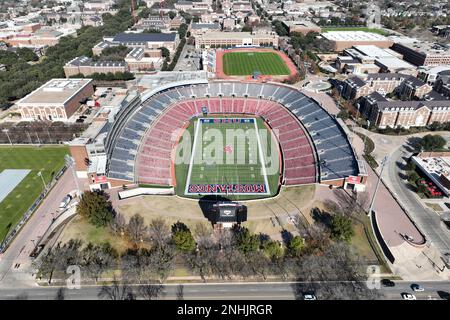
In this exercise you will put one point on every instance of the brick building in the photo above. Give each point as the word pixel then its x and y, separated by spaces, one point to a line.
pixel 233 39
pixel 56 100
pixel 423 53
pixel 86 66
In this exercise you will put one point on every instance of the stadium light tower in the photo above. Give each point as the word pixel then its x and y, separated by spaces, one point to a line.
pixel 6 132
pixel 43 181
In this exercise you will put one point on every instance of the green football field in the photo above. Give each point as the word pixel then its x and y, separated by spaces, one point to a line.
pixel 48 160
pixel 247 63
pixel 229 159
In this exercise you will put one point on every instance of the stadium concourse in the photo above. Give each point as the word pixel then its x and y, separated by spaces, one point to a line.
pixel 314 147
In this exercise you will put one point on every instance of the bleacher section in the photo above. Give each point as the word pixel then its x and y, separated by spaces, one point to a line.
pixel 145 156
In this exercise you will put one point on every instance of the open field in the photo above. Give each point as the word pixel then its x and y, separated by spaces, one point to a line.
pixel 233 159
pixel 48 160
pixel 172 209
pixel 371 30
pixel 246 63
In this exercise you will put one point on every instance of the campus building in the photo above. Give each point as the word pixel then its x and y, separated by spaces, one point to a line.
pixel 342 40
pixel 423 53
pixel 361 59
pixel 383 113
pixel 56 100
pixel 146 41
pixel 302 26
pixel 86 66
pixel 235 39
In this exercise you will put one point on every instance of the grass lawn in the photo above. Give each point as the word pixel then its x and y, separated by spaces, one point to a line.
pixel 371 30
pixel 246 63
pixel 229 154
pixel 49 160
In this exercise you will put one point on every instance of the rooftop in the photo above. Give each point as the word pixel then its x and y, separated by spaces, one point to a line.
pixel 353 36
pixel 55 91
pixel 144 37
pixel 233 35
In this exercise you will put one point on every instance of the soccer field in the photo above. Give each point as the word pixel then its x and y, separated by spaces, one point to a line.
pixel 234 157
pixel 48 160
pixel 247 63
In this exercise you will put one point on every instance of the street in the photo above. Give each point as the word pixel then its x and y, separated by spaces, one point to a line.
pixel 427 220
pixel 15 261
pixel 221 291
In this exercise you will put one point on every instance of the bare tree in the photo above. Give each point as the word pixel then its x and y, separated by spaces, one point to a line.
pixel 136 228
pixel 159 232
pixel 98 258
pixel 118 224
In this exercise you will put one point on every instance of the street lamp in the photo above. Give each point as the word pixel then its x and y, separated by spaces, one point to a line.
pixel 6 132
pixel 383 163
pixel 70 163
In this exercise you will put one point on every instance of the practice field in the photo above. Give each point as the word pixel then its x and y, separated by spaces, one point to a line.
pixel 233 157
pixel 48 160
pixel 247 63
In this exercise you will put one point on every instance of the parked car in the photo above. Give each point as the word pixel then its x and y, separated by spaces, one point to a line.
pixel 408 296
pixel 387 283
pixel 417 287
pixel 65 202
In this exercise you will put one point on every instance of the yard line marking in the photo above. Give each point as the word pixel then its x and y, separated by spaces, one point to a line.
pixel 192 158
pixel 263 163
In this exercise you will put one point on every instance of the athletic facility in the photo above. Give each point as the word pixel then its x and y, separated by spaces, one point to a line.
pixel 155 143
pixel 20 182
pixel 249 62
pixel 253 62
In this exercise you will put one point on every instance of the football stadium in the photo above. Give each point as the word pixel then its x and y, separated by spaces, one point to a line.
pixel 242 140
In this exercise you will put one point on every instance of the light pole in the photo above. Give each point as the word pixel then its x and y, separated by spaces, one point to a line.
pixel 383 163
pixel 43 181
pixel 7 135
pixel 70 163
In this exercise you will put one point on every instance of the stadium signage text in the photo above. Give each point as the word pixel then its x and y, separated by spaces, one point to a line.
pixel 227 188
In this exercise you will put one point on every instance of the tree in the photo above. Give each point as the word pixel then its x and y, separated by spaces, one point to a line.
pixel 245 241
pixel 182 237
pixel 172 14
pixel 159 232
pixel 342 228
pixel 295 246
pixel 27 54
pixel 96 207
pixel 98 259
pixel 272 249
pixel 165 53
pixel 413 177
pixel 432 142
pixel 136 228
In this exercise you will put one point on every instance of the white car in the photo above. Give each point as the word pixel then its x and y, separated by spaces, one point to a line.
pixel 309 296
pixel 417 287
pixel 65 202
pixel 408 296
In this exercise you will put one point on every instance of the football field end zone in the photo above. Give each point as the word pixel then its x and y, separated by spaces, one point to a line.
pixel 226 187
pixel 10 179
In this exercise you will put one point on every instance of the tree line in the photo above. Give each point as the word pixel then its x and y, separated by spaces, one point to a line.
pixel 22 78
pixel 322 252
